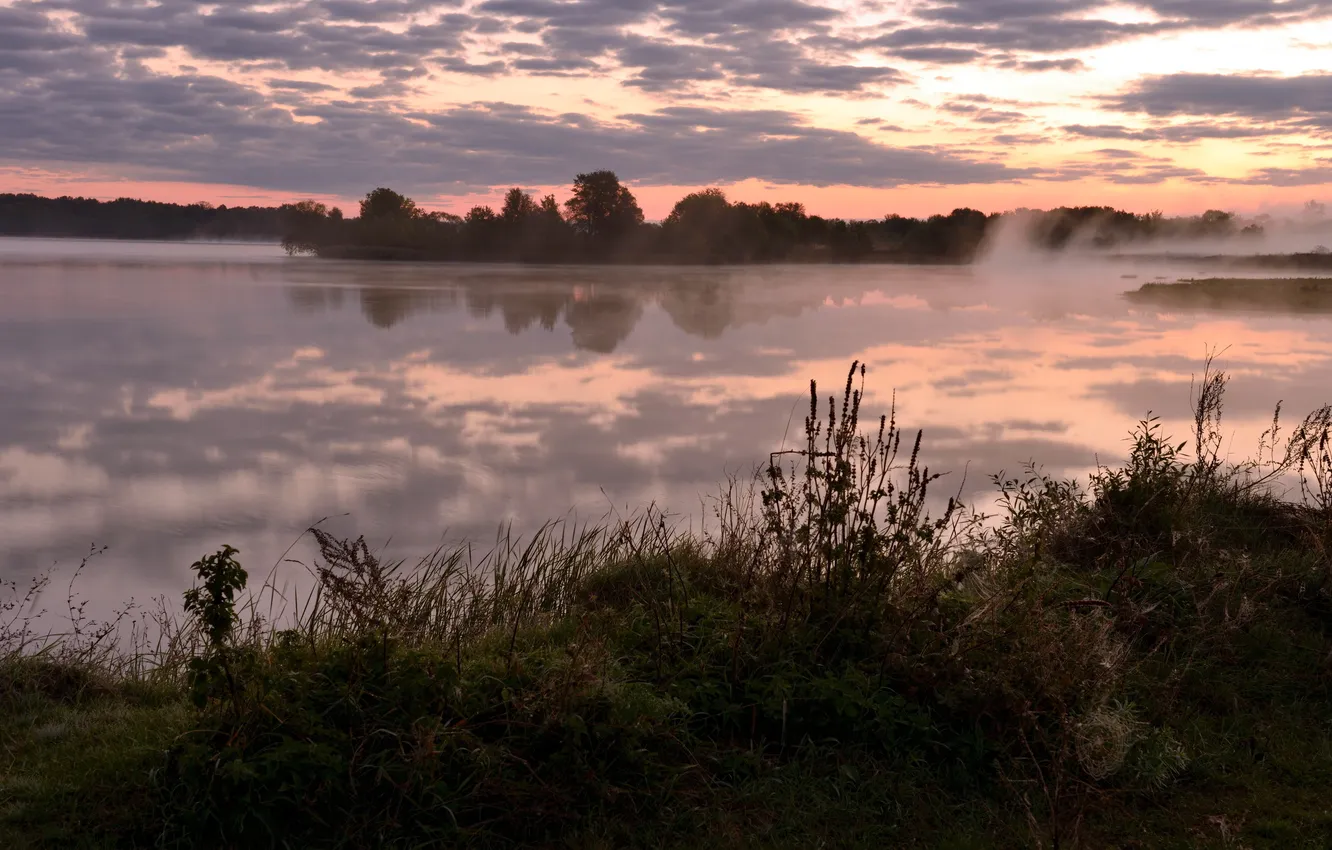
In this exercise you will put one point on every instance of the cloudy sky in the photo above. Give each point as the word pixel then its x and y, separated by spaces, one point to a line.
pixel 857 107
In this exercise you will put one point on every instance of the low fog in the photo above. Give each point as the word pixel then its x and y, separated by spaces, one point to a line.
pixel 1020 236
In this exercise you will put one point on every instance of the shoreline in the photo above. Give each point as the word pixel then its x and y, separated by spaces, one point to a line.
pixel 834 663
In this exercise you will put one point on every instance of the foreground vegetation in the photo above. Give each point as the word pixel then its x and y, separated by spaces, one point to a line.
pixel 1140 663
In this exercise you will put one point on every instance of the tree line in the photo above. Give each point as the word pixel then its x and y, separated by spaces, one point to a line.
pixel 601 221
pixel 127 218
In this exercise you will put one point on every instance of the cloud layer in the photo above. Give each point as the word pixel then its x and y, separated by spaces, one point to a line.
pixel 455 96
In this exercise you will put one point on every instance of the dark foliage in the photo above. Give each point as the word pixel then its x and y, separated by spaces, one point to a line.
pixel 125 218
pixel 602 222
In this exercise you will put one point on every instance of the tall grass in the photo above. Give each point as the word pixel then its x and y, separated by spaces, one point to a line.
pixel 631 670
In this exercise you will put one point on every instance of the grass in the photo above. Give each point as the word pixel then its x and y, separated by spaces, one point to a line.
pixel 1285 295
pixel 75 772
pixel 1138 660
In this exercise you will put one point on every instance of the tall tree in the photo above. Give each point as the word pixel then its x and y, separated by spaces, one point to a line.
pixel 700 227
pixel 602 208
pixel 699 209
pixel 304 224
pixel 518 207
pixel 480 215
pixel 550 209
pixel 387 204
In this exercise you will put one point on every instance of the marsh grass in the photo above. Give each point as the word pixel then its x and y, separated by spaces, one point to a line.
pixel 1310 295
pixel 825 660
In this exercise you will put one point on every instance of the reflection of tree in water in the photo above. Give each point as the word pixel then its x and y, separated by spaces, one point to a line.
pixel 600 308
pixel 315 299
pixel 601 322
pixel 541 308
pixel 520 309
pixel 703 308
pixel 386 307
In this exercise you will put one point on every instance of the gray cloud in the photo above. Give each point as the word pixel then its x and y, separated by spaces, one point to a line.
pixel 1012 139
pixel 74 87
pixel 1111 131
pixel 1041 65
pixel 1232 12
pixel 1124 167
pixel 982 114
pixel 751 43
pixel 940 55
pixel 1185 132
pixel 1315 175
pixel 773 44
pixel 220 131
pixel 1051 26
pixel 332 35
pixel 1248 96
pixel 1037 35
pixel 300 85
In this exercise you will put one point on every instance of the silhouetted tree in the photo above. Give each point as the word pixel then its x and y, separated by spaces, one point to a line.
pixel 387 204
pixel 483 235
pixel 304 226
pixel 699 228
pixel 602 209
pixel 518 207
pixel 549 238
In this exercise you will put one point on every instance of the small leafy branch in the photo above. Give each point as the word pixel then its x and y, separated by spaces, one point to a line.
pixel 214 605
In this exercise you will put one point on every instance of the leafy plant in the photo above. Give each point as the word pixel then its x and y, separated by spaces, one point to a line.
pixel 214 605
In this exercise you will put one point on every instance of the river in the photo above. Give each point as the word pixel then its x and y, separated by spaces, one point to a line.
pixel 160 400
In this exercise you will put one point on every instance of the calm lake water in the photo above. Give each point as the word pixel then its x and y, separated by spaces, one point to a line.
pixel 162 400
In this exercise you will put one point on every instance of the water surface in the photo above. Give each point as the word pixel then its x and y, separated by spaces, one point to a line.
pixel 162 400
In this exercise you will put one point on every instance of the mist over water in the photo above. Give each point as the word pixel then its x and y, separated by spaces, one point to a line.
pixel 165 399
pixel 1011 240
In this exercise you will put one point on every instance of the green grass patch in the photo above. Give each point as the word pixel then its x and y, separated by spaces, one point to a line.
pixel 76 765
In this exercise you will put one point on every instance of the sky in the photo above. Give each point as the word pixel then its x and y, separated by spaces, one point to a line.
pixel 857 108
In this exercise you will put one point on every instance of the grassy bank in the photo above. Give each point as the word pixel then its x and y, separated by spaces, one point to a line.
pixel 1139 661
pixel 1278 295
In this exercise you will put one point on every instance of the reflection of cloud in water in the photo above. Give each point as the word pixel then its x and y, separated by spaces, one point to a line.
pixel 164 409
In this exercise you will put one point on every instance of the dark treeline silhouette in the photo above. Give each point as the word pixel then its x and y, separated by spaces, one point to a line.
pixel 126 218
pixel 602 222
